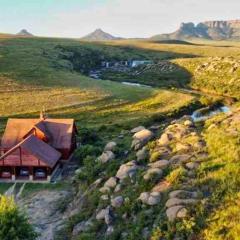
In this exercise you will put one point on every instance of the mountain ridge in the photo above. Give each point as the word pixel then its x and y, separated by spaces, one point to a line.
pixel 212 30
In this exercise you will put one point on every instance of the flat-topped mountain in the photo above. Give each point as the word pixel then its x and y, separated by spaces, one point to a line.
pixel 99 35
pixel 24 32
pixel 214 30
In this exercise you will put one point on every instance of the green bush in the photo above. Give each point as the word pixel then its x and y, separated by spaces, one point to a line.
pixel 13 224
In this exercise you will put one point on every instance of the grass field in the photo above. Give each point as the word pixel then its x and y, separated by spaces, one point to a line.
pixel 33 76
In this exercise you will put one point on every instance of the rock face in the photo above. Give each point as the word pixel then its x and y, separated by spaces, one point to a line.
pixel 215 30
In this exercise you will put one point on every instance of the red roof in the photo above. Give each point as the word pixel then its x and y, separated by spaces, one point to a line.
pixel 58 131
pixel 34 153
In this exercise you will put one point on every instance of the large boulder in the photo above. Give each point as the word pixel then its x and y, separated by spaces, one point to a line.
pixel 177 201
pixel 127 170
pixel 141 138
pixel 109 218
pixel 153 173
pixel 111 182
pixel 192 165
pixel 151 199
pixel 180 158
pixel 117 201
pixel 106 157
pixel 144 197
pixel 183 194
pixel 154 198
pixel 110 146
pixel 137 129
pixel 142 154
pixel 165 139
pixel 101 215
pixel 172 213
pixel 162 164
pixel 183 147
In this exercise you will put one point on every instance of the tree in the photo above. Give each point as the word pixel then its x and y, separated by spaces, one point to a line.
pixel 14 224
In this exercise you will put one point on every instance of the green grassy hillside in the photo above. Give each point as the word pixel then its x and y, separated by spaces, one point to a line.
pixel 37 73
pixel 52 73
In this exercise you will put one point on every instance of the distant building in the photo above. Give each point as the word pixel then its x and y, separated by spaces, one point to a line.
pixel 32 148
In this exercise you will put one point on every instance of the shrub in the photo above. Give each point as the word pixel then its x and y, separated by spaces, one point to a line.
pixel 13 224
pixel 177 175
pixel 154 156
pixel 87 150
pixel 88 136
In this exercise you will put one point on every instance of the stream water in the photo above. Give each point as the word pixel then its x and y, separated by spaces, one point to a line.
pixel 205 113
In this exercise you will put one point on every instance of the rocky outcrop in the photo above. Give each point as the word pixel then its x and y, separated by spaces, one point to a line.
pixel 215 30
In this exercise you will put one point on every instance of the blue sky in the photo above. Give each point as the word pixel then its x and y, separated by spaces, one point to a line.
pixel 127 18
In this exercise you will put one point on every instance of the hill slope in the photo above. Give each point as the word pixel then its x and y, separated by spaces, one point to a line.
pixel 99 35
pixel 24 32
pixel 214 30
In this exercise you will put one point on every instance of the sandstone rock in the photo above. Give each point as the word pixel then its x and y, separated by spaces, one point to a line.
pixel 183 194
pixel 142 154
pixel 104 197
pixel 127 170
pixel 111 182
pixel 137 144
pixel 192 165
pixel 108 216
pixel 106 157
pixel 118 188
pixel 182 213
pixel 105 190
pixel 163 152
pixel 137 129
pixel 154 198
pixel 117 201
pixel 162 164
pixel 151 199
pixel 173 211
pixel 165 139
pixel 188 123
pixel 180 158
pixel 110 146
pixel 144 135
pixel 141 138
pixel 101 214
pixel 153 173
pixel 144 197
pixel 177 201
pixel 183 147
pixel 161 186
pixel 110 230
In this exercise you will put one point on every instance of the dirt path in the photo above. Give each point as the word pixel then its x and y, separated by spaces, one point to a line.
pixel 44 213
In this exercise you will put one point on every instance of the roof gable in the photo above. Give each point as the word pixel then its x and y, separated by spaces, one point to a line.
pixel 58 131
pixel 37 148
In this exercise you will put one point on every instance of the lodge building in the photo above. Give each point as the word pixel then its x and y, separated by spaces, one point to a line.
pixel 31 149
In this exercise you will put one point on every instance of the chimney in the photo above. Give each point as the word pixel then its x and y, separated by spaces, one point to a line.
pixel 43 115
